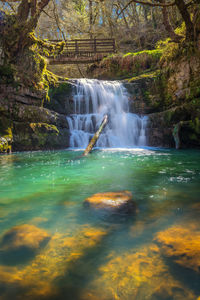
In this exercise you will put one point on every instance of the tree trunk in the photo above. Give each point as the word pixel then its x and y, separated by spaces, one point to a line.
pixel 91 18
pixel 175 37
pixel 17 37
pixel 96 136
pixel 182 7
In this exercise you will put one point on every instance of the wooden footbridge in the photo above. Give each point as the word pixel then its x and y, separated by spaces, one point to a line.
pixel 83 51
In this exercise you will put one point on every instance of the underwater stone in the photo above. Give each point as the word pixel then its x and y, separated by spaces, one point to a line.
pixel 136 275
pixel 181 244
pixel 24 236
pixel 116 202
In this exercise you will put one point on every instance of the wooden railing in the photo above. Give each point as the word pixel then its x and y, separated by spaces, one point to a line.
pixel 75 51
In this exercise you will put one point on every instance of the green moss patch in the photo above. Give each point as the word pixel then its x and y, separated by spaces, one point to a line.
pixel 61 88
pixel 121 66
pixel 144 76
pixel 43 131
pixel 6 141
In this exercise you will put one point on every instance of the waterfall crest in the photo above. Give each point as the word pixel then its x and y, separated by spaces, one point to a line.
pixel 92 100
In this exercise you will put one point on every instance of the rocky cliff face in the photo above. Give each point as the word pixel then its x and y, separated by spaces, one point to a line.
pixel 169 95
pixel 27 124
pixel 171 123
pixel 180 79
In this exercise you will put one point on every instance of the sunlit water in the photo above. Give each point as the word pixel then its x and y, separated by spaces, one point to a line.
pixel 92 255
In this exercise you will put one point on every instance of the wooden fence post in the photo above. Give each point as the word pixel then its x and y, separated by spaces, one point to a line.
pixel 76 46
pixel 95 46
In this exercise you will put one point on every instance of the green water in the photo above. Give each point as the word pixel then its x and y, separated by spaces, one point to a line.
pixel 47 190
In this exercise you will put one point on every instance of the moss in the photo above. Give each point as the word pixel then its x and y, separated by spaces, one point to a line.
pixel 144 75
pixel 35 136
pixel 60 88
pixel 25 54
pixel 193 89
pixel 43 130
pixel 175 51
pixel 195 127
pixel 130 64
pixel 6 141
pixel 153 53
pixel 6 136
pixel 7 74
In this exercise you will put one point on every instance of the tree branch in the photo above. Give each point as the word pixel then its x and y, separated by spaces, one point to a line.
pixel 43 4
pixel 12 7
pixel 146 3
pixel 175 37
pixel 57 20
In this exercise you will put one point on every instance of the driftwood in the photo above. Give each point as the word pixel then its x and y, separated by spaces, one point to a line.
pixel 96 136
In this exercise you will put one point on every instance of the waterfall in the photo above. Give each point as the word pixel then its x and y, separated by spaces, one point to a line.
pixel 92 100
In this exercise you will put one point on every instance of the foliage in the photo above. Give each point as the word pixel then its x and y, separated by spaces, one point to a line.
pixel 131 64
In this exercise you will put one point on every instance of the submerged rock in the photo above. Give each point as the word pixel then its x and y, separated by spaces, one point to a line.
pixel 64 254
pixel 24 237
pixel 182 244
pixel 136 275
pixel 116 202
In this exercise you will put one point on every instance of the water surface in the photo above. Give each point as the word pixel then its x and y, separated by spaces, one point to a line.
pixel 93 255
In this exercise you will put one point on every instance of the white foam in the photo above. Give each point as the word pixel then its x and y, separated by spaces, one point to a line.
pixel 92 100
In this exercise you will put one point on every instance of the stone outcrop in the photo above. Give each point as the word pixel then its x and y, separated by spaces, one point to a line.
pixel 25 124
pixel 183 77
pixel 171 99
pixel 61 98
pixel 144 93
pixel 115 202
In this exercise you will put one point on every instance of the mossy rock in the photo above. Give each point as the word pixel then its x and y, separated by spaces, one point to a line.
pixel 6 135
pixel 120 66
pixel 34 136
pixel 39 136
pixel 5 144
pixel 6 74
pixel 189 133
pixel 60 89
pixel 60 98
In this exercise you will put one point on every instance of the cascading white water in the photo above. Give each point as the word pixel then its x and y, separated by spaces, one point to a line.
pixel 92 100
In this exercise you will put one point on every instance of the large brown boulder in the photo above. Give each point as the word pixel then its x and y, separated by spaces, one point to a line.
pixel 116 202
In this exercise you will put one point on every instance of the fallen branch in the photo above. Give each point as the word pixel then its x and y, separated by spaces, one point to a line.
pixel 96 136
